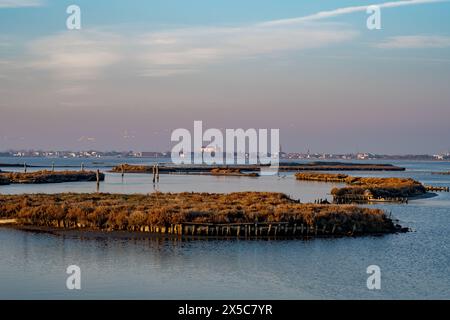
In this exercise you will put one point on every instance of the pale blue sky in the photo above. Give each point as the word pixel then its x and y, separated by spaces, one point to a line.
pixel 139 69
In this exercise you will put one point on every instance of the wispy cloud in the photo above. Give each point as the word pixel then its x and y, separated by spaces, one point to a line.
pixel 415 42
pixel 85 53
pixel 20 3
pixel 347 10
pixel 186 49
pixel 76 54
pixel 80 55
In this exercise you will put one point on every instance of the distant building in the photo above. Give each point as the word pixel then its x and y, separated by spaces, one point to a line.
pixel 362 156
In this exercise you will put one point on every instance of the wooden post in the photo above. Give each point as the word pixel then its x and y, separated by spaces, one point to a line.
pixel 82 166
pixel 268 230
pixel 157 172
pixel 25 167
pixel 97 175
pixel 53 166
pixel 122 167
pixel 295 229
pixel 238 230
pixel 154 173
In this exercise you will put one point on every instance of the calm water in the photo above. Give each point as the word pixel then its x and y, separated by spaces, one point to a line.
pixel 413 265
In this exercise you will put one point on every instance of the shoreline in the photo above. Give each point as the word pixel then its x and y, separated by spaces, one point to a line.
pixel 8 222
pixel 139 235
pixel 427 195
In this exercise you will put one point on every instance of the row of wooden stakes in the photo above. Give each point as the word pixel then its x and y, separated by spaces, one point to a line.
pixel 242 230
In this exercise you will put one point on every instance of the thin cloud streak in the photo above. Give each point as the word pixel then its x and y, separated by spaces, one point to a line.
pixel 347 10
pixel 20 3
pixel 415 42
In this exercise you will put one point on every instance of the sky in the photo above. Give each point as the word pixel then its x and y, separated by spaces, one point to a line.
pixel 137 70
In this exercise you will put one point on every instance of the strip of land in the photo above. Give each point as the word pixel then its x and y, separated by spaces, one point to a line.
pixel 46 176
pixel 207 214
pixel 245 169
pixel 232 172
pixel 368 189
pixel 444 173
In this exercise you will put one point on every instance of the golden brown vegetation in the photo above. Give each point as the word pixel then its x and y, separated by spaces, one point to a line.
pixel 129 168
pixel 322 177
pixel 46 176
pixel 133 212
pixel 231 172
pixel 368 188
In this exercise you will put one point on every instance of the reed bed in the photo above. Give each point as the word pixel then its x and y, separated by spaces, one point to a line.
pixel 143 212
pixel 368 188
pixel 47 176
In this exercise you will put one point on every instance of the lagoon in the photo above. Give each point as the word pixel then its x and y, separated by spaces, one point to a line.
pixel 414 265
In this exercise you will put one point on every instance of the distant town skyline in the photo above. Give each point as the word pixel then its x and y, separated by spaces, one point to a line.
pixel 137 70
pixel 152 154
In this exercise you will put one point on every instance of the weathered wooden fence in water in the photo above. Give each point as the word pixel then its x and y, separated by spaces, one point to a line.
pixel 249 230
pixel 348 199
pixel 437 189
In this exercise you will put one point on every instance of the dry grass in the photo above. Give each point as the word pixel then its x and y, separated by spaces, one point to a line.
pixel 231 172
pixel 128 212
pixel 46 176
pixel 368 187
pixel 129 168
pixel 324 177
